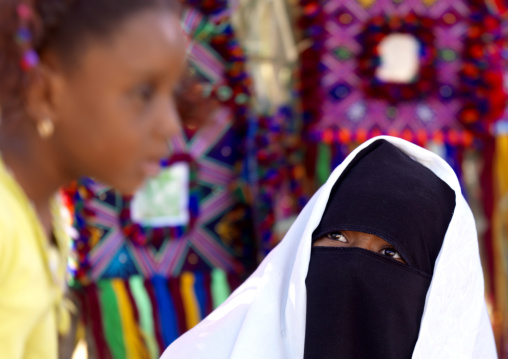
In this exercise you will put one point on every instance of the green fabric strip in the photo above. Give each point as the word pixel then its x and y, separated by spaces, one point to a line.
pixel 144 307
pixel 220 287
pixel 324 160
pixel 111 320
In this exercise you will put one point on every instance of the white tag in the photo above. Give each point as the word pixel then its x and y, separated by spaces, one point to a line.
pixel 164 201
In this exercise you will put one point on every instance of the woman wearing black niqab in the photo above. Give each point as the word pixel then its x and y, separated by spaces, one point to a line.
pixel 382 262
pixel 373 257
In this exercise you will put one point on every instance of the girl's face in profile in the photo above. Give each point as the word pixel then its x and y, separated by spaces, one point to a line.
pixel 353 239
pixel 115 112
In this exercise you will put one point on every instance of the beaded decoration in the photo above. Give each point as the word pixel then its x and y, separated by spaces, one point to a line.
pixel 29 57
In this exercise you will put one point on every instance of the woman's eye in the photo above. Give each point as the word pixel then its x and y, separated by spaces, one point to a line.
pixel 391 252
pixel 337 236
pixel 144 92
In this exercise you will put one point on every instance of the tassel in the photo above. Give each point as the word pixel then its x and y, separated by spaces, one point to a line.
pixel 500 242
pixel 199 289
pixel 190 301
pixel 336 156
pixel 323 163
pixel 207 280
pixel 133 339
pixel 111 322
pixel 487 184
pixel 91 306
pixel 166 311
pixel 176 295
pixel 156 315
pixel 454 155
pixel 145 315
pixel 220 287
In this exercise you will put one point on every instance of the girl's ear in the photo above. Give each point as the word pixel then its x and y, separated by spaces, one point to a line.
pixel 43 91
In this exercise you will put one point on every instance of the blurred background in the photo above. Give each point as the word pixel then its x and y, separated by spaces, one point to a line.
pixel 277 93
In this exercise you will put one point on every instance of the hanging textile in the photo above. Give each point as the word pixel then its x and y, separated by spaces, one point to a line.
pixel 448 99
pixel 457 80
pixel 146 273
pixel 455 94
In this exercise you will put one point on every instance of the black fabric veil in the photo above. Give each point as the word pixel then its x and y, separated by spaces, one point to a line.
pixel 359 303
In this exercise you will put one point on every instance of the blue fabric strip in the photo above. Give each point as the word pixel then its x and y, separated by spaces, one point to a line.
pixel 169 326
pixel 199 289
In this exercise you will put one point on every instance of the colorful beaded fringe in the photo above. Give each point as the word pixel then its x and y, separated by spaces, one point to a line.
pixel 138 318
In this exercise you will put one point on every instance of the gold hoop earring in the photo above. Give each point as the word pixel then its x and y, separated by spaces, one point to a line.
pixel 45 128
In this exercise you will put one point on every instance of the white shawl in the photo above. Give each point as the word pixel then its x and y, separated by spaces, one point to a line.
pixel 265 317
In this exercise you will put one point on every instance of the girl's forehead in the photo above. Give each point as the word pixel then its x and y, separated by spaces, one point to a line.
pixel 148 46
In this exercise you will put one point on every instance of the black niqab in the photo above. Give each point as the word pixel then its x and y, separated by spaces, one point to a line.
pixel 360 304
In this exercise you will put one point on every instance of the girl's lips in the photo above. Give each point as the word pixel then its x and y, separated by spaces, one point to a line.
pixel 151 168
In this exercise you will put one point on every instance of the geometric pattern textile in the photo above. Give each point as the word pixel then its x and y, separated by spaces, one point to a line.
pixel 114 255
pixel 142 284
pixel 219 235
pixel 458 85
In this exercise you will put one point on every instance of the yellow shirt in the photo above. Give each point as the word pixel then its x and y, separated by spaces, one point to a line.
pixel 31 280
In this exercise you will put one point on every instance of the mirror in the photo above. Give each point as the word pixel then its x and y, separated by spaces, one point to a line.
pixel 399 55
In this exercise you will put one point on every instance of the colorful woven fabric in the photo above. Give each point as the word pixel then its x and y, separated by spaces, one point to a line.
pixel 458 86
pixel 138 318
pixel 277 150
pixel 142 285
pixel 111 245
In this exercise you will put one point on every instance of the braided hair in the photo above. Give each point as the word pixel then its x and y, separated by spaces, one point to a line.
pixel 30 27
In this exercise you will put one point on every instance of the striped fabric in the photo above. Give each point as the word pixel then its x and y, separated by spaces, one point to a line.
pixel 138 318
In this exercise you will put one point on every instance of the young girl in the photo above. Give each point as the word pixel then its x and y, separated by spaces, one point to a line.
pixel 383 262
pixel 86 89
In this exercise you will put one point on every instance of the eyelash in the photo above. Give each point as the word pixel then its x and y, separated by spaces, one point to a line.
pixel 338 236
pixel 396 254
pixel 332 235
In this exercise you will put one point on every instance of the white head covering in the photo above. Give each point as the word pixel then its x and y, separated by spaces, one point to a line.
pixel 265 317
